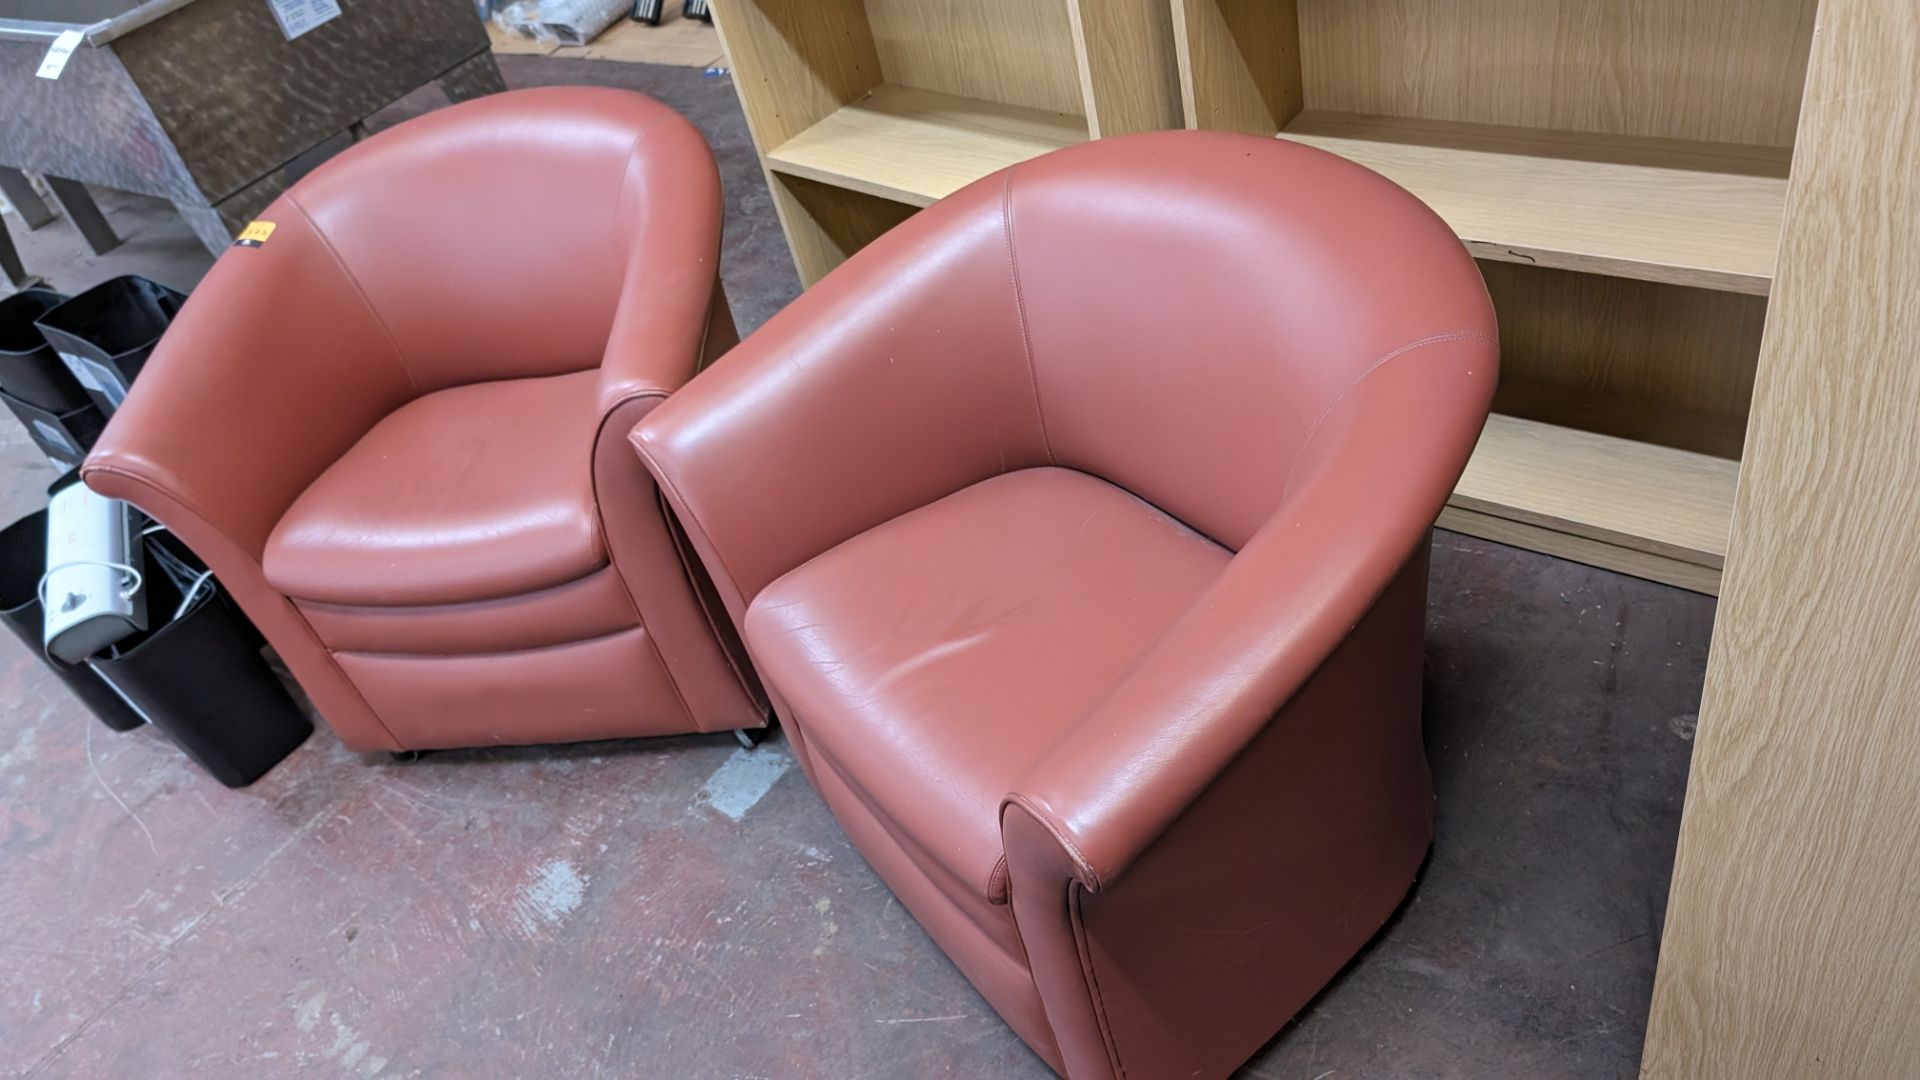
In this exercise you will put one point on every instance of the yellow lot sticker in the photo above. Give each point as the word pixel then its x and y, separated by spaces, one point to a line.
pixel 256 234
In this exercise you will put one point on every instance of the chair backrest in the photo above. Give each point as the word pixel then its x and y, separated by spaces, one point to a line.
pixel 492 238
pixel 1176 313
pixel 1193 303
pixel 486 240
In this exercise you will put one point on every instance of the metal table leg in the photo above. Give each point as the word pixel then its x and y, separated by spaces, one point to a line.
pixel 20 192
pixel 85 214
pixel 10 264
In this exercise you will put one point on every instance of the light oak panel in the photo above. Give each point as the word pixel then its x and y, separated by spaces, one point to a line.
pixel 1711 70
pixel 1652 499
pixel 505 44
pixel 1660 362
pixel 795 62
pixel 1683 154
pixel 917 146
pixel 827 224
pixel 985 49
pixel 1579 549
pixel 793 65
pixel 1710 228
pixel 1239 64
pixel 1636 419
pixel 1128 76
pixel 677 41
pixel 1791 946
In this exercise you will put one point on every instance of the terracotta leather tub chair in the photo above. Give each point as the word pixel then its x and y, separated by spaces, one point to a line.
pixel 1079 529
pixel 396 429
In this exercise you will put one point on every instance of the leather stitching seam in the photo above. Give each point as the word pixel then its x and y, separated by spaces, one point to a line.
pixel 1026 957
pixel 1327 410
pixel 1093 982
pixel 689 560
pixel 998 873
pixel 356 608
pixel 692 523
pixel 358 290
pixel 600 524
pixel 1020 311
pixel 626 163
pixel 1059 834
pixel 378 654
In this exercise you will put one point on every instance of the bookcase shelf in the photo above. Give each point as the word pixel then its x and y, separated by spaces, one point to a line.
pixel 1621 175
pixel 1682 213
pixel 859 108
pixel 1632 506
pixel 918 146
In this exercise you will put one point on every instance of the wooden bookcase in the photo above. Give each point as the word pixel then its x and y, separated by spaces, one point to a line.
pixel 1618 166
pixel 1620 170
pixel 865 111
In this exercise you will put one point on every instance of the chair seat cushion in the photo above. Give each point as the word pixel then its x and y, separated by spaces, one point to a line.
pixel 472 493
pixel 935 657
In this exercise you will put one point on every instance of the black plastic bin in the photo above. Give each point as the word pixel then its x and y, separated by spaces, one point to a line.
pixel 106 333
pixel 23 558
pixel 36 386
pixel 201 678
pixel 64 437
pixel 30 369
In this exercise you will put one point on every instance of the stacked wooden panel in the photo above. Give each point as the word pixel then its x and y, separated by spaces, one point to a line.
pixel 1620 170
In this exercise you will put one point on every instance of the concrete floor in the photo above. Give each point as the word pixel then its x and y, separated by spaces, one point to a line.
pixel 681 908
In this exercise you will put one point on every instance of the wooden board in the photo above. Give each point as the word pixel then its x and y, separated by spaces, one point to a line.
pixel 795 63
pixel 1714 229
pixel 1129 79
pixel 1590 408
pixel 985 49
pixel 1724 71
pixel 505 44
pixel 1792 940
pixel 1673 364
pixel 831 223
pixel 1621 560
pixel 917 146
pixel 1239 63
pixel 677 42
pixel 1633 495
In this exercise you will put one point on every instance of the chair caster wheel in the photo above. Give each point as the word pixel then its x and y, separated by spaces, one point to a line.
pixel 749 738
pixel 403 757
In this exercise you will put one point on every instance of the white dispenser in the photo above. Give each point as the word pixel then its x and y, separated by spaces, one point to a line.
pixel 91 591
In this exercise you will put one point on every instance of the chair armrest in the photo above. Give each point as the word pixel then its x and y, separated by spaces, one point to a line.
pixel 898 379
pixel 671 205
pixel 271 371
pixel 1373 476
